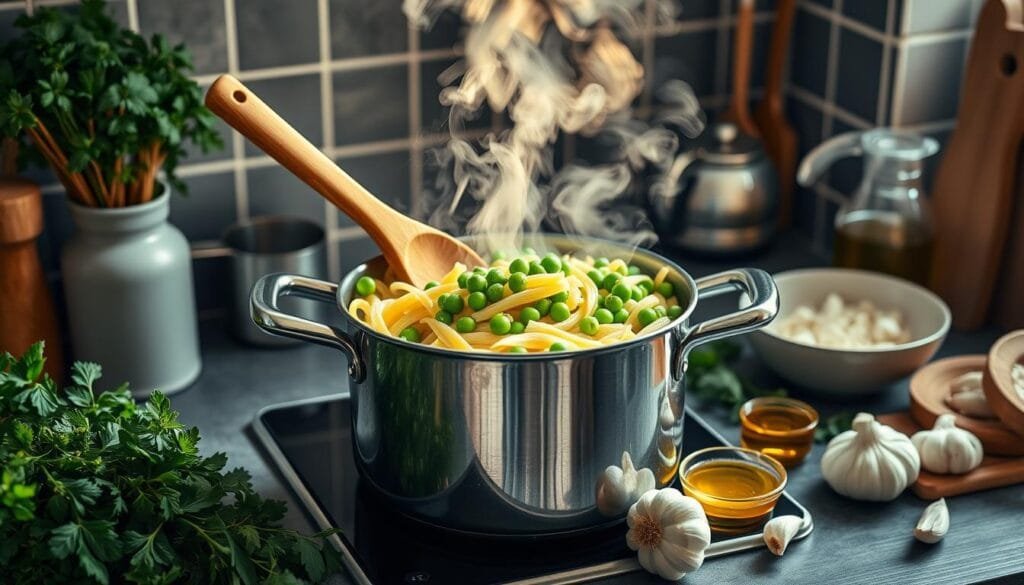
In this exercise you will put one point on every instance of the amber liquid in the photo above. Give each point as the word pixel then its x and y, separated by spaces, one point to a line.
pixel 885 242
pixel 778 430
pixel 732 479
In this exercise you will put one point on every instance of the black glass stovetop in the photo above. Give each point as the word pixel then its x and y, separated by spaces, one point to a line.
pixel 311 443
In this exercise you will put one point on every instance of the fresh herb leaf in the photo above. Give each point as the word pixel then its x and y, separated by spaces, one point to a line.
pixel 709 376
pixel 832 426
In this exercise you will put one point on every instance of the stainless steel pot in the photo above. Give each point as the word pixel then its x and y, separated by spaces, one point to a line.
pixel 507 444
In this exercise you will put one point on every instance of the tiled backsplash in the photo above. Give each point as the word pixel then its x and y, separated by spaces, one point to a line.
pixel 353 78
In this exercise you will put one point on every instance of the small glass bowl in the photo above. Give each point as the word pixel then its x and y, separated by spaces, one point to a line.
pixel 737 487
pixel 780 427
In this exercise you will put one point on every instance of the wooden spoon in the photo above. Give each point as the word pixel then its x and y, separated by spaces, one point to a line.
pixel 770 115
pixel 739 106
pixel 416 253
pixel 998 381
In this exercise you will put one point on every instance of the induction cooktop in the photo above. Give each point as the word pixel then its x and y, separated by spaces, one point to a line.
pixel 310 442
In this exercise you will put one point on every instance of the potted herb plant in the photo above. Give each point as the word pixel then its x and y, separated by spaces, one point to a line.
pixel 110 113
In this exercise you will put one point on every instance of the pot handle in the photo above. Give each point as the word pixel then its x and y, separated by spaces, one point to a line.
pixel 266 315
pixel 764 306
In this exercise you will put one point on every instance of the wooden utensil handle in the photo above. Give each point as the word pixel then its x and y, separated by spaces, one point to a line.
pixel 744 41
pixel 783 28
pixel 244 111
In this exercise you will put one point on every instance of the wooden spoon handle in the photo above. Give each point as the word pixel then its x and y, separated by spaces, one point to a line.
pixel 783 28
pixel 248 114
pixel 739 108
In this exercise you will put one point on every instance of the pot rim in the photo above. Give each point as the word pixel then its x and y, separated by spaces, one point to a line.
pixel 580 242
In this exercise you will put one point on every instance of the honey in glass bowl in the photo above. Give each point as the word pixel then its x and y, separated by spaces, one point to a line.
pixel 780 427
pixel 737 488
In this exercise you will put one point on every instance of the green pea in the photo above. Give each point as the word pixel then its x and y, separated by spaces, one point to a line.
pixel 453 304
pixel 610 280
pixel 647 286
pixel 646 316
pixel 529 251
pixel 365 286
pixel 559 312
pixel 494 276
pixel 543 306
pixel 501 324
pixel 444 317
pixel 604 316
pixel 623 291
pixel 519 266
pixel 517 349
pixel 529 314
pixel 476 283
pixel 465 325
pixel 633 270
pixel 566 268
pixel 463 280
pixel 517 281
pixel 589 325
pixel 559 297
pixel 558 346
pixel 536 268
pixel 497 255
pixel 517 328
pixel 637 293
pixel 613 303
pixel 479 270
pixel 477 301
pixel 495 292
pixel 431 285
pixel 661 311
pixel 621 316
pixel 666 289
pixel 410 334
pixel 675 312
pixel 596 275
pixel 601 262
pixel 600 302
pixel 551 264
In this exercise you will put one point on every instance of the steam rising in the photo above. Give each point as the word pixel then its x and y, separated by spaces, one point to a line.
pixel 553 66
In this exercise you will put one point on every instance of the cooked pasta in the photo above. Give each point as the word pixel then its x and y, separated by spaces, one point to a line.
pixel 528 304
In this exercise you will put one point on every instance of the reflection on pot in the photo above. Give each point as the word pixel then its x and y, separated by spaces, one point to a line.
pixel 618 488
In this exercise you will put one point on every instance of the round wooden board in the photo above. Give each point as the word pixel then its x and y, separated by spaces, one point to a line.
pixel 998 382
pixel 928 390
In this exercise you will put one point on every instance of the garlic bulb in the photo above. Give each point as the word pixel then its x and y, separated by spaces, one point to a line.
pixel 946 448
pixel 619 487
pixel 871 462
pixel 934 522
pixel 779 531
pixel 669 531
pixel 967 396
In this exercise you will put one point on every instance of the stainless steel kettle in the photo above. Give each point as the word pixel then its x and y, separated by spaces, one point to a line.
pixel 720 197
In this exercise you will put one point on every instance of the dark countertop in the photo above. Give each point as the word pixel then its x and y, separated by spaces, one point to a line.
pixel 852 542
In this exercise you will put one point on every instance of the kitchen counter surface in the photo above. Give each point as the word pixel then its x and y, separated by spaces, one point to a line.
pixel 852 542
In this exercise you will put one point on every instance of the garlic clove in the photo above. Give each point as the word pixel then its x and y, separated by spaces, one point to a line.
pixel 779 531
pixel 934 522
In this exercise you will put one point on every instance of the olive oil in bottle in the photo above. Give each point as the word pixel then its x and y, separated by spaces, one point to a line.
pixel 884 241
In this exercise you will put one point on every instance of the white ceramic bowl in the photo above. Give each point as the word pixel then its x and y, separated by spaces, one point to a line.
pixel 852 372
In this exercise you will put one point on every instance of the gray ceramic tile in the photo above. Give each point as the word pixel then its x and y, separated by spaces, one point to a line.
pixel 826 3
pixel 859 76
pixel 698 9
pixel 212 278
pixel 367 28
pixel 686 56
pixel 805 202
pixel 433 114
pixel 806 121
pixel 371 105
pixel 384 175
pixel 208 208
pixel 932 81
pixel 7 29
pixel 809 60
pixel 758 58
pixel 275 191
pixel 297 100
pixel 444 33
pixel 57 229
pixel 197 23
pixel 846 174
pixel 870 12
pixel 937 15
pixel 271 34
pixel 354 252
pixel 829 229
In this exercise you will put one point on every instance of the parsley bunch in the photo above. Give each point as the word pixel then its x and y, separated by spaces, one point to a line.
pixel 709 376
pixel 105 108
pixel 97 489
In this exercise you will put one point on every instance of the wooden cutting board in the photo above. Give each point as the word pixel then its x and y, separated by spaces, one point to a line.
pixel 974 186
pixel 992 473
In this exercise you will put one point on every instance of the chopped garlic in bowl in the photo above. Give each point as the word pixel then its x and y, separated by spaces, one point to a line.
pixel 841 324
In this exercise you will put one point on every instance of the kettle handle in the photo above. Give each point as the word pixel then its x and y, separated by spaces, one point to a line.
pixel 826 154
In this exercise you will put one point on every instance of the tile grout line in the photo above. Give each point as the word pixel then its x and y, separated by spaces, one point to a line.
pixel 647 53
pixel 829 111
pixel 899 76
pixel 722 52
pixel 415 81
pixel 237 142
pixel 835 16
pixel 707 24
pixel 327 125
pixel 881 112
pixel 133 14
